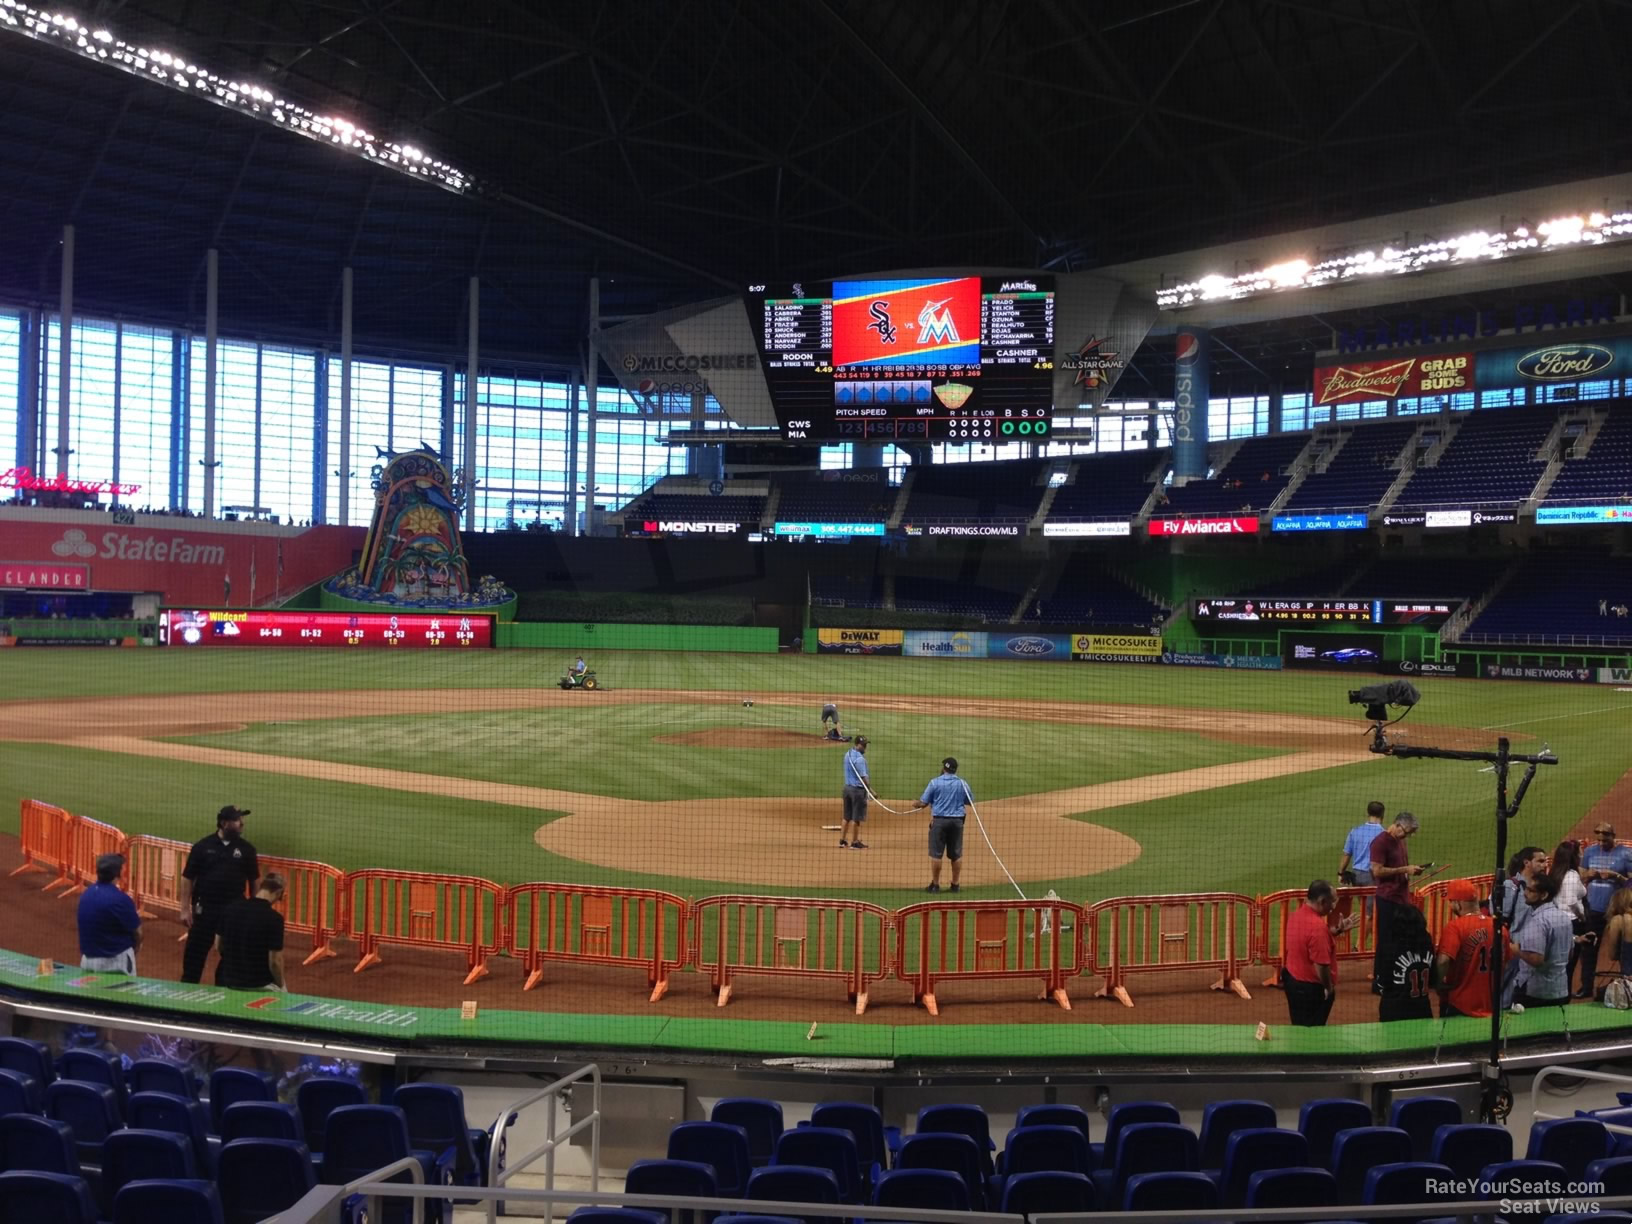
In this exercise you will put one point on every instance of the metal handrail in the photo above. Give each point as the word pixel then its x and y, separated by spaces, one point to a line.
pixel 370 1184
pixel 1575 1073
pixel 496 1178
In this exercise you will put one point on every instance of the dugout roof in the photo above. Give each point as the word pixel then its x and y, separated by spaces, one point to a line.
pixel 679 150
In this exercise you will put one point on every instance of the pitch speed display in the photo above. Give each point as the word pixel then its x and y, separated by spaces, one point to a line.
pixel 953 359
pixel 248 627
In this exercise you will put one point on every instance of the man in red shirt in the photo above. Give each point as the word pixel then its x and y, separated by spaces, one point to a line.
pixel 1309 968
pixel 1463 957
pixel 1391 868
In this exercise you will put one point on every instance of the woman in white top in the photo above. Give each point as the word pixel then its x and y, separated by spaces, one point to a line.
pixel 1571 894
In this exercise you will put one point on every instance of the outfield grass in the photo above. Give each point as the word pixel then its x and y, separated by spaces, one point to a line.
pixel 1253 837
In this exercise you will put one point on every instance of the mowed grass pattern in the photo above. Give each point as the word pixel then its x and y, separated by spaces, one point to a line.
pixel 1253 837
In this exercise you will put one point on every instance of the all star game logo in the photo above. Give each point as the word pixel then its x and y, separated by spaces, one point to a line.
pixel 1093 363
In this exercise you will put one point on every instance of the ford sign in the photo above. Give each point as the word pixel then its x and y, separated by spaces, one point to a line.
pixel 1030 646
pixel 1565 362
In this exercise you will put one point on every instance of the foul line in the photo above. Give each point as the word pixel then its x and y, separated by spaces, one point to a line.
pixel 1551 717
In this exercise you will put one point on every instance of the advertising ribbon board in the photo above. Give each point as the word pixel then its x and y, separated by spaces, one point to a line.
pixel 1564 515
pixel 944 644
pixel 859 641
pixel 1564 675
pixel 1049 647
pixel 1184 658
pixel 1097 645
pixel 1087 530
pixel 1234 525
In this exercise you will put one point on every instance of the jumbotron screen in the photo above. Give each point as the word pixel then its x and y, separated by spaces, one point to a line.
pixel 403 630
pixel 960 359
pixel 1432 613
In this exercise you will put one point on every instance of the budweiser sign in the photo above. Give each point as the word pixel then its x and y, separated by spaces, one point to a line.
pixel 1410 376
pixel 1238 525
pixel 23 478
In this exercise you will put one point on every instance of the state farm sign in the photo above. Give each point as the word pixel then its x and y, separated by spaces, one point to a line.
pixel 1246 524
pixel 44 576
pixel 139 546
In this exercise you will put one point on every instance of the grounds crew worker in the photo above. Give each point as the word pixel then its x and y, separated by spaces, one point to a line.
pixel 220 869
pixel 947 797
pixel 855 795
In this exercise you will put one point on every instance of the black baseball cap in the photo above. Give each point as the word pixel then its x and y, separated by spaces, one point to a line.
pixel 949 765
pixel 230 813
pixel 861 741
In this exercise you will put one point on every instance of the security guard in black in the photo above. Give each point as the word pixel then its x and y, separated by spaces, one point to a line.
pixel 221 868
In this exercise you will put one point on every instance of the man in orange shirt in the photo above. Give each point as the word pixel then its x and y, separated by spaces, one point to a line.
pixel 1309 968
pixel 1463 961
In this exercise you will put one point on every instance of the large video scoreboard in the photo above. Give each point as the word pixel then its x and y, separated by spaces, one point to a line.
pixel 1429 612
pixel 254 627
pixel 960 359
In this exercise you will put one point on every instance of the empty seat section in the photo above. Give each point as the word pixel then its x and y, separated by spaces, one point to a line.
pixel 1250 480
pixel 1359 474
pixel 1554 597
pixel 1087 593
pixel 1491 460
pixel 836 497
pixel 1604 474
pixel 1106 486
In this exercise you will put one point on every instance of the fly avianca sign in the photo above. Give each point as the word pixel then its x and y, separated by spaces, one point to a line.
pixel 1246 524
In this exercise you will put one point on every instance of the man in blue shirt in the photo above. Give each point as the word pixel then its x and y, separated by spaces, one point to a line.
pixel 109 929
pixel 946 797
pixel 855 795
pixel 1355 869
pixel 1604 868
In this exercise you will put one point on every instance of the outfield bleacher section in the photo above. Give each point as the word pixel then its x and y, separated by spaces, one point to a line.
pixel 914 594
pixel 1088 594
pixel 699 507
pixel 1107 486
pixel 1442 577
pixel 836 497
pixel 1604 474
pixel 1491 461
pixel 988 492
pixel 1554 598
pixel 1250 480
pixel 1359 474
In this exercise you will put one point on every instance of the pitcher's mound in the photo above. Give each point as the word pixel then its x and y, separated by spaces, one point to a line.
pixel 750 737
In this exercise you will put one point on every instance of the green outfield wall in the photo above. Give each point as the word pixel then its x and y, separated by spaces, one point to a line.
pixel 592 636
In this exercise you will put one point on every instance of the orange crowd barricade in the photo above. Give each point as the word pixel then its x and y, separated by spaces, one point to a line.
pixel 420 910
pixel 47 838
pixel 1359 944
pixel 314 898
pixel 1211 931
pixel 791 936
pixel 90 840
pixel 154 874
pixel 631 927
pixel 939 941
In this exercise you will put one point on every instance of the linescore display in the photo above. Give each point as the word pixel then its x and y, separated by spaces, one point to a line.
pixel 959 359
pixel 402 630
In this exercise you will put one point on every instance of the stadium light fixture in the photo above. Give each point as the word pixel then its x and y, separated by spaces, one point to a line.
pixel 163 67
pixel 1476 246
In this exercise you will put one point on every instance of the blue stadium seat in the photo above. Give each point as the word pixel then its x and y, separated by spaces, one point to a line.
pixel 20 1093
pixel 260 1177
pixel 1126 1114
pixel 34 1197
pixel 1614 1174
pixel 824 1147
pixel 94 1067
pixel 1572 1142
pixel 261 1120
pixel 30 1058
pixel 620 1215
pixel 1147 1147
pixel 1356 1151
pixel 761 1121
pixel 674 1179
pixel 1305 1187
pixel 1620 1145
pixel 362 1138
pixel 1040 1149
pixel 1034 1193
pixel 1420 1117
pixel 167 1112
pixel 90 1111
pixel 167 1202
pixel 160 1075
pixel 1320 1120
pixel 955 1153
pixel 1170 1192
pixel 873 1138
pixel 1055 1115
pixel 738 1217
pixel 794 1184
pixel 1253 1151
pixel 316 1098
pixel 1591 1217
pixel 721 1144
pixel 928 1189
pixel 141 1155
pixel 229 1085
pixel 1411 1181
pixel 42 1145
pixel 1469 1146
pixel 1507 1178
pixel 1221 1119
pixel 437 1123
pixel 968 1120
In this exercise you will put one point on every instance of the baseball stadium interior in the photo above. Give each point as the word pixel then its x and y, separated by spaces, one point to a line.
pixel 820 609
